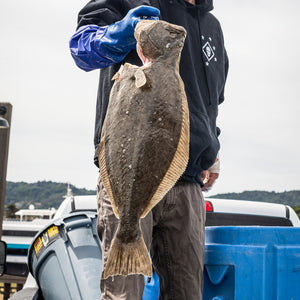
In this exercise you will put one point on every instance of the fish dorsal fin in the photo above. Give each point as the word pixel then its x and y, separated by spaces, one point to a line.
pixel 118 74
pixel 141 79
pixel 104 173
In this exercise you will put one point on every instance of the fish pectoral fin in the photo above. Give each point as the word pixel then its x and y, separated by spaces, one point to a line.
pixel 141 79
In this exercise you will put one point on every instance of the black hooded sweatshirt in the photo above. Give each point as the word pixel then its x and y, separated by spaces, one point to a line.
pixel 203 68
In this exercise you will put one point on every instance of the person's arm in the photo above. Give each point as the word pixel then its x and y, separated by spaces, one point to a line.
pixel 226 67
pixel 93 47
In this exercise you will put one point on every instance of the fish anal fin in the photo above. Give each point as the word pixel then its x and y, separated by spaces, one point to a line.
pixel 127 259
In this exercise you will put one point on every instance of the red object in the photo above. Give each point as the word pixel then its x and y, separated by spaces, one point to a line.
pixel 208 206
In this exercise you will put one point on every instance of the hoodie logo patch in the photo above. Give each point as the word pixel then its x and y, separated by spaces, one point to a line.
pixel 208 50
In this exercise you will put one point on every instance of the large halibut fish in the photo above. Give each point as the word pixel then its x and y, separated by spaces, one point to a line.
pixel 144 147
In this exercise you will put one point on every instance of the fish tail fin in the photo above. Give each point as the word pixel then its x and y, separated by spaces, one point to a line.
pixel 126 259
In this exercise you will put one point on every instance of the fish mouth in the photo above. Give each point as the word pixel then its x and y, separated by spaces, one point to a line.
pixel 146 61
pixel 142 25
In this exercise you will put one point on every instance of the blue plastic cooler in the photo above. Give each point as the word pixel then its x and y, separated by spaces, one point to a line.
pixel 247 263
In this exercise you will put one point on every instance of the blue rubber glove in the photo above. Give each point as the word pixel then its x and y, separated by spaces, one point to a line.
pixel 94 47
pixel 120 35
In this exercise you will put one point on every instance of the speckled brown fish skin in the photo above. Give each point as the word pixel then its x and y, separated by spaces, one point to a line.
pixel 145 140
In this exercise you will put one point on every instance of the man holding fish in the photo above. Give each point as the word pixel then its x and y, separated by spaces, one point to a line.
pixel 171 164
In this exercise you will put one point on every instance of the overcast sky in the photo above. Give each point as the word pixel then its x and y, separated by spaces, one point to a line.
pixel 54 102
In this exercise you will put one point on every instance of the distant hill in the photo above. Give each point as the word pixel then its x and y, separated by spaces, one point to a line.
pixel 47 194
pixel 291 198
pixel 43 194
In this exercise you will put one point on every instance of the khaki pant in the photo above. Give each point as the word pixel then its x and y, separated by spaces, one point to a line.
pixel 174 232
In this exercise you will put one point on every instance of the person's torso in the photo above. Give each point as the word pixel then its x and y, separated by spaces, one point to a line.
pixel 202 68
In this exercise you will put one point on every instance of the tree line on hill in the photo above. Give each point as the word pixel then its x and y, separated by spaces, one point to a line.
pixel 47 194
pixel 42 194
pixel 291 198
